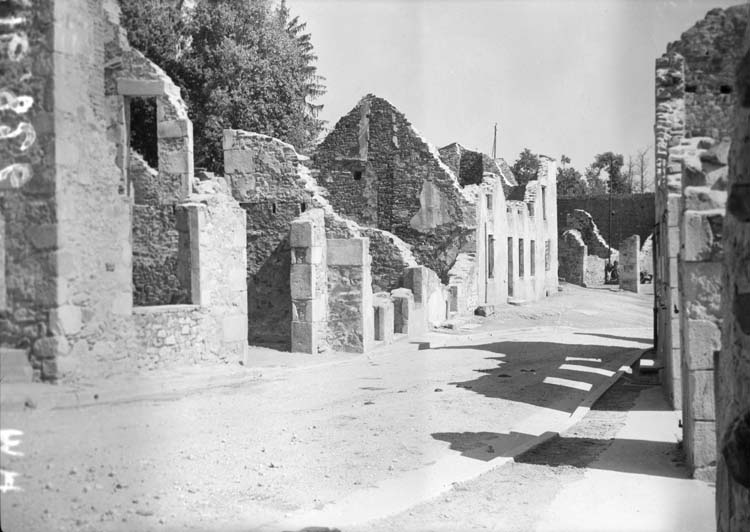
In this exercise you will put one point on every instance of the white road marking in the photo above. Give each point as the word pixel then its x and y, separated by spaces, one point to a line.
pixel 578 385
pixel 587 369
pixel 582 359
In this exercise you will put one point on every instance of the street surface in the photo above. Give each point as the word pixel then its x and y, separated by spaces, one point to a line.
pixel 409 437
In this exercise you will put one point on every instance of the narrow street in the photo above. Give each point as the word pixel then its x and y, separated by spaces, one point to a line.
pixel 416 436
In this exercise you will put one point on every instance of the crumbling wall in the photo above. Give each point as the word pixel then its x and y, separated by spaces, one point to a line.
pixel 712 49
pixel 572 255
pixel 633 214
pixel 381 173
pixel 583 222
pixel 273 185
pixel 733 362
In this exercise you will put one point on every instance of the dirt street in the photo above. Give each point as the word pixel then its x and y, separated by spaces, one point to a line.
pixel 427 435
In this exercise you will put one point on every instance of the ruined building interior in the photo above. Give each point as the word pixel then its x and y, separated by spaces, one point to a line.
pixel 112 266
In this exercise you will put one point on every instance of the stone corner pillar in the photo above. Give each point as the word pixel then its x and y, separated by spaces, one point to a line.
pixel 630 274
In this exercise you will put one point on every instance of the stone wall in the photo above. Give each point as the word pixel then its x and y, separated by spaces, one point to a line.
pixel 572 255
pixel 27 179
pixel 629 264
pixel 351 320
pixel 733 362
pixel 85 200
pixel 633 214
pixel 669 132
pixel 712 50
pixel 381 173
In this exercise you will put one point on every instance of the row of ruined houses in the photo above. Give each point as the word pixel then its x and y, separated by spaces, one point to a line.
pixel 702 250
pixel 112 266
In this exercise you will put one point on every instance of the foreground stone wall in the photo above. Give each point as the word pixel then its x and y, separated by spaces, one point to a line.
pixel 90 328
pixel 633 214
pixel 669 132
pixel 733 362
pixel 27 179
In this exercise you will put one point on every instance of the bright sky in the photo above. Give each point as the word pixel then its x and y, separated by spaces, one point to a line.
pixel 558 76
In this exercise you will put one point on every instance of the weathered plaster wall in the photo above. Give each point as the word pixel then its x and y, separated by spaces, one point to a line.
pixel 633 214
pixel 733 362
pixel 381 173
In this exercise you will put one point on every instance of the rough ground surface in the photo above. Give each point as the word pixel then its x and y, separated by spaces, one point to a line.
pixel 355 436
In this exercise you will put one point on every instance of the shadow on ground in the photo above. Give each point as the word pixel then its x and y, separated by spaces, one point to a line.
pixel 614 337
pixel 521 368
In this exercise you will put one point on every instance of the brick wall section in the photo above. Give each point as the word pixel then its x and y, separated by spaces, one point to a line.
pixel 404 187
pixel 712 48
pixel 733 362
pixel 27 183
pixel 634 214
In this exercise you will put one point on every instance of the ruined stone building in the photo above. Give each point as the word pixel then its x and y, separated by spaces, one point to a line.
pixel 111 264
pixel 695 110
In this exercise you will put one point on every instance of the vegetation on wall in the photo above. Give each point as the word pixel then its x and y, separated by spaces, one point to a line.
pixel 246 64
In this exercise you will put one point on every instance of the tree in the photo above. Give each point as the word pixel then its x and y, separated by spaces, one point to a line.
pixel 570 182
pixel 611 163
pixel 594 184
pixel 239 63
pixel 526 167
pixel 642 170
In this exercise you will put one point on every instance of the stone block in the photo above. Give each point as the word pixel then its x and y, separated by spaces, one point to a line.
pixel 65 320
pixel 416 280
pixel 50 347
pixel 239 162
pixel 140 87
pixel 302 281
pixel 234 328
pixel 702 290
pixel 403 311
pixel 383 316
pixel 305 337
pixel 174 129
pixel 704 444
pixel 702 235
pixel 175 162
pixel 701 395
pixel 348 252
pixel 301 233
pixel 704 199
pixel 703 338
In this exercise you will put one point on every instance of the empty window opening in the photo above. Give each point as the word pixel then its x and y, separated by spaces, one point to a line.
pixel 510 266
pixel 547 256
pixel 544 203
pixel 490 256
pixel 725 89
pixel 142 131
pixel 532 258
pixel 489 202
pixel 273 208
pixel 520 257
pixel 302 207
pixel 691 88
pixel 378 316
pixel 357 174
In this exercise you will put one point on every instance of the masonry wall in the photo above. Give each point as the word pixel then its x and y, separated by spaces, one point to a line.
pixel 733 361
pixel 27 179
pixel 669 132
pixel 633 214
pixel 712 50
pixel 381 173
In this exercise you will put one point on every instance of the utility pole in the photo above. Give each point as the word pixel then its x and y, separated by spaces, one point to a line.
pixel 494 144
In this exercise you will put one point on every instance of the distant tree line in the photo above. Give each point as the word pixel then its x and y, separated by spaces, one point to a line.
pixel 607 169
pixel 246 64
